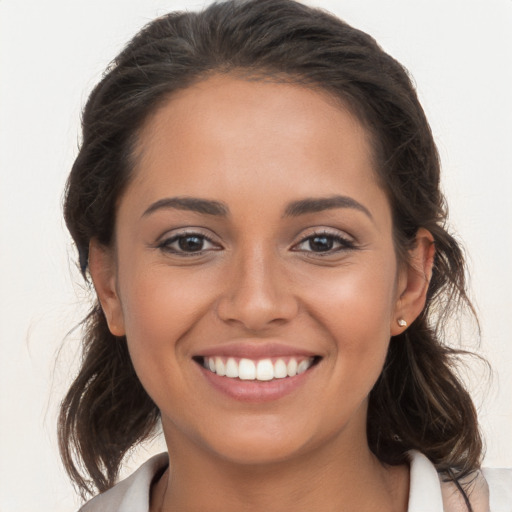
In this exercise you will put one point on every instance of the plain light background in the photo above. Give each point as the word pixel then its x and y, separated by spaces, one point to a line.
pixel 51 55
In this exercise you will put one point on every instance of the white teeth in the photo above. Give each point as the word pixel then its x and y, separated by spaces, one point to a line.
pixel 265 370
pixel 291 368
pixel 280 370
pixel 220 367
pixel 231 368
pixel 303 366
pixel 262 370
pixel 246 370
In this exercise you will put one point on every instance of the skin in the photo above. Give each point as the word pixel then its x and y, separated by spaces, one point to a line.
pixel 256 147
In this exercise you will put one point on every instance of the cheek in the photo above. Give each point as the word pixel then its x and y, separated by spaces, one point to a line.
pixel 356 308
pixel 159 307
pixel 157 296
pixel 356 300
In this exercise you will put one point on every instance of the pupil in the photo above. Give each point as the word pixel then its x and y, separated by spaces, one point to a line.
pixel 321 243
pixel 190 243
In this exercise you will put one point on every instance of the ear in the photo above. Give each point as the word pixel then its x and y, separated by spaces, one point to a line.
pixel 102 268
pixel 413 282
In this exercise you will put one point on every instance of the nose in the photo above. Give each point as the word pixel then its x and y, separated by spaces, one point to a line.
pixel 258 293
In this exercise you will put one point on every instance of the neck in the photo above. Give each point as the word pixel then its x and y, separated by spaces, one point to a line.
pixel 334 478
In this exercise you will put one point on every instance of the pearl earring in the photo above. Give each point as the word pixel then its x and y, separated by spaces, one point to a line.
pixel 401 322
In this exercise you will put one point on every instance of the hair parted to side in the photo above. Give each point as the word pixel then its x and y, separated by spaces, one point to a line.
pixel 418 401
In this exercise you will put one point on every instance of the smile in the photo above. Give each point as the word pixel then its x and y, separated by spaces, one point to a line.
pixel 259 370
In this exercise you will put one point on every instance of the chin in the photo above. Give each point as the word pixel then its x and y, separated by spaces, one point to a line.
pixel 261 452
pixel 265 442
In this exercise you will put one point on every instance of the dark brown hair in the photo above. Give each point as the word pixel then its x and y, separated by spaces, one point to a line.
pixel 418 402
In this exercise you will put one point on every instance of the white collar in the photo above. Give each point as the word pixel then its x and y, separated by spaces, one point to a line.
pixel 132 494
pixel 424 487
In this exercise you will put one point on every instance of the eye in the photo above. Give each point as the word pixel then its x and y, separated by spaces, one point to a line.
pixel 324 243
pixel 188 244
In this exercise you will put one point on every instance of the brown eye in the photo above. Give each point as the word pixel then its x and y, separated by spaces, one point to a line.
pixel 187 244
pixel 324 243
pixel 321 243
pixel 191 243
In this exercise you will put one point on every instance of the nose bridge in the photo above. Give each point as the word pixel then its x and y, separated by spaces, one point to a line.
pixel 257 291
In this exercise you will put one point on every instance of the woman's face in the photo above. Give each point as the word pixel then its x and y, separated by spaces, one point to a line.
pixel 255 239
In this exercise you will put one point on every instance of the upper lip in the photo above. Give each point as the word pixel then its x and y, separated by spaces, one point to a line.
pixel 255 350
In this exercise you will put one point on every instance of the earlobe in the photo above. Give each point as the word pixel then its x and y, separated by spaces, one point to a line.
pixel 103 273
pixel 412 292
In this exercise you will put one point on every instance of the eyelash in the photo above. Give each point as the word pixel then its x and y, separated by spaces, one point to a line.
pixel 344 244
pixel 165 245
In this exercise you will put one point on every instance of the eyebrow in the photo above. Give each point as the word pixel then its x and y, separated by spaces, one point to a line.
pixel 204 206
pixel 313 205
pixel 294 209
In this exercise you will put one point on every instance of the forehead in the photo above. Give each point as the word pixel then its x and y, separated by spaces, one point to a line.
pixel 230 135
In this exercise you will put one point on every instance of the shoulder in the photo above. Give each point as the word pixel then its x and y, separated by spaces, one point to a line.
pixel 131 494
pixel 476 488
pixel 500 488
pixel 488 489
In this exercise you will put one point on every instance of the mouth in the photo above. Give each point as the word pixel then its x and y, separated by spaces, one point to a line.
pixel 262 370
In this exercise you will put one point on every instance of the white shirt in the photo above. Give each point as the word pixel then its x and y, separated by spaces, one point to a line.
pixel 492 490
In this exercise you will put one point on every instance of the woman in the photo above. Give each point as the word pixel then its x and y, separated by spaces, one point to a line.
pixel 257 202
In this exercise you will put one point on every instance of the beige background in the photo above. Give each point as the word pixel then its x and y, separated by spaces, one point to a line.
pixel 52 52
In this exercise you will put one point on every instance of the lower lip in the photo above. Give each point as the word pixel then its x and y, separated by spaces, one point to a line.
pixel 253 390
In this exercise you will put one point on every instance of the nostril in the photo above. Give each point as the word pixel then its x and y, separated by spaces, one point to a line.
pixel 256 315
